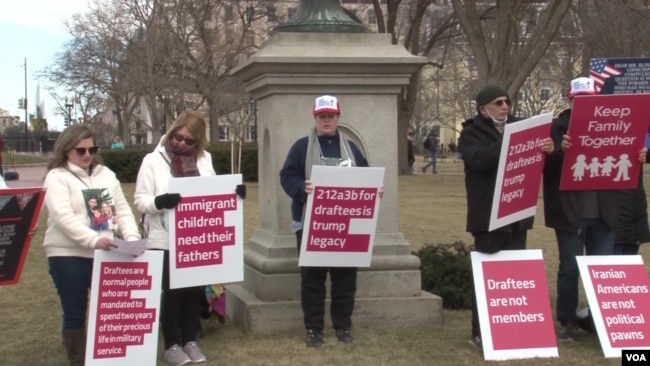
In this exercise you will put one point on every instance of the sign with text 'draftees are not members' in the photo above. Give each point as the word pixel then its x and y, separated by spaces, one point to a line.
pixel 607 133
pixel 124 308
pixel 206 231
pixel 520 168
pixel 341 217
pixel 618 292
pixel 513 305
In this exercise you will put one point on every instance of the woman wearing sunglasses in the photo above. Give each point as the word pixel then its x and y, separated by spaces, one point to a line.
pixel 70 242
pixel 180 153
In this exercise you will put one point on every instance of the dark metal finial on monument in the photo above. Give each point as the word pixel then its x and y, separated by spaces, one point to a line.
pixel 321 16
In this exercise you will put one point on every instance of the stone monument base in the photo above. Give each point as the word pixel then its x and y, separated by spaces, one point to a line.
pixel 257 316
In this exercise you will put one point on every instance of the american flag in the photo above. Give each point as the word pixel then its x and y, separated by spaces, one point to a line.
pixel 601 70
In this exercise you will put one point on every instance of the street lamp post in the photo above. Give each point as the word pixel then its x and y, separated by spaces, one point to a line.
pixel 69 107
pixel 25 105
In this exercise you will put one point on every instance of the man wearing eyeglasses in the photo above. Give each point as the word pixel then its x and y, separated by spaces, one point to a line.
pixel 479 146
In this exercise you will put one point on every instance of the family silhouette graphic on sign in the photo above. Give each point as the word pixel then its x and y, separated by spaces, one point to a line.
pixel 604 169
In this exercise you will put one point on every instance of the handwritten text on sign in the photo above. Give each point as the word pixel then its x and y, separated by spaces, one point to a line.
pixel 622 294
pixel 200 229
pixel 121 319
pixel 332 210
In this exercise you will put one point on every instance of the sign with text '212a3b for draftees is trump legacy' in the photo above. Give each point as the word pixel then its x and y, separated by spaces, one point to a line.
pixel 607 132
pixel 341 217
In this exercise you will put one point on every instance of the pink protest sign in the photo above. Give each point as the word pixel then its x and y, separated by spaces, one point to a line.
pixel 201 232
pixel 513 305
pixel 520 170
pixel 341 217
pixel 607 132
pixel 124 308
pixel 206 231
pixel 618 291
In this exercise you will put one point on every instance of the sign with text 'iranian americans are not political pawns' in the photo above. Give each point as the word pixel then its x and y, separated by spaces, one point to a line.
pixel 341 217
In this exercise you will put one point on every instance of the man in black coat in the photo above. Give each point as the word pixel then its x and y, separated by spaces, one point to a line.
pixel 479 145
pixel 584 221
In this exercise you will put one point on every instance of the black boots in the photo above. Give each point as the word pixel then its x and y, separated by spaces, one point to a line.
pixel 74 341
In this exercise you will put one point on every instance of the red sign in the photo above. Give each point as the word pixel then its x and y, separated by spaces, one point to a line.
pixel 622 296
pixel 201 232
pixel 518 305
pixel 607 132
pixel 332 212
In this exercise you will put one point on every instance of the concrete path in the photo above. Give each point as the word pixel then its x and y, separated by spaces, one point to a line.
pixel 29 176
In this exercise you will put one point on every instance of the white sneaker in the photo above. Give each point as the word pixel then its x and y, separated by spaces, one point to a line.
pixel 175 356
pixel 194 352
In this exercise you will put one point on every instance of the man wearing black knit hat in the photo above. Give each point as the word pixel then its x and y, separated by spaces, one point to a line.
pixel 479 146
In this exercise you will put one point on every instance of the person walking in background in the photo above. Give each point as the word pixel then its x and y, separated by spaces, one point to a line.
pixel 431 147
pixel 411 150
pixel 480 147
pixel 325 145
pixel 69 241
pixel 180 153
pixel 584 221
pixel 632 228
pixel 117 143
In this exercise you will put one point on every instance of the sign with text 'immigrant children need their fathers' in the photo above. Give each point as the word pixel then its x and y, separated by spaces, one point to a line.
pixel 520 170
pixel 618 292
pixel 19 210
pixel 341 217
pixel 124 308
pixel 513 305
pixel 206 231
pixel 607 133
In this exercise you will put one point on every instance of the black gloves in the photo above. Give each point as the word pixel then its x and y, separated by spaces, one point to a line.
pixel 241 191
pixel 167 200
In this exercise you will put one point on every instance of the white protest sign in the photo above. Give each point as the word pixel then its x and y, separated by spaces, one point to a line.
pixel 519 174
pixel 341 217
pixel 513 305
pixel 124 309
pixel 206 242
pixel 618 292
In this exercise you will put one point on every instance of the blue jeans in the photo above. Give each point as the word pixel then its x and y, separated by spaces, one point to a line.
pixel 72 277
pixel 626 248
pixel 432 161
pixel 594 238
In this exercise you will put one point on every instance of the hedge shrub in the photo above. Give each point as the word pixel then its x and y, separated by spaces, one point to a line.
pixel 126 163
pixel 446 271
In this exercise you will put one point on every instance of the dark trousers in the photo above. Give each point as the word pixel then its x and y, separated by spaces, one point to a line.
pixel 72 277
pixel 343 288
pixel 594 238
pixel 626 248
pixel 179 311
pixel 492 242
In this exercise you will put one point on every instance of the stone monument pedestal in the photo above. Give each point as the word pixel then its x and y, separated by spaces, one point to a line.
pixel 366 72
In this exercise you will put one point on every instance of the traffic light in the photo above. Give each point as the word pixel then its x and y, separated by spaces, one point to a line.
pixel 66 122
pixel 21 103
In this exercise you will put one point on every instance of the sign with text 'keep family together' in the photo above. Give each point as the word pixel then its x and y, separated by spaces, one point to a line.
pixel 513 305
pixel 206 231
pixel 341 217
pixel 520 170
pixel 607 133
pixel 618 291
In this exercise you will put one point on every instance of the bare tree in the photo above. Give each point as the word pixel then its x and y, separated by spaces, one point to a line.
pixel 508 39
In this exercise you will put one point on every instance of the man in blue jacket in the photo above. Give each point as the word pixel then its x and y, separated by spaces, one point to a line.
pixel 325 145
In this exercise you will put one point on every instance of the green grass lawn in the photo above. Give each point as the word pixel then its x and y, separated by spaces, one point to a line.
pixel 432 210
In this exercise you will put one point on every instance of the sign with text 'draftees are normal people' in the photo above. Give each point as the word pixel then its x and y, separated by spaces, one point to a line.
pixel 513 305
pixel 618 292
pixel 206 231
pixel 124 308
pixel 341 217
pixel 607 132
pixel 520 170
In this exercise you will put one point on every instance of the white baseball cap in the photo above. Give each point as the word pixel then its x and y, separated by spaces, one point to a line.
pixel 582 86
pixel 327 104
